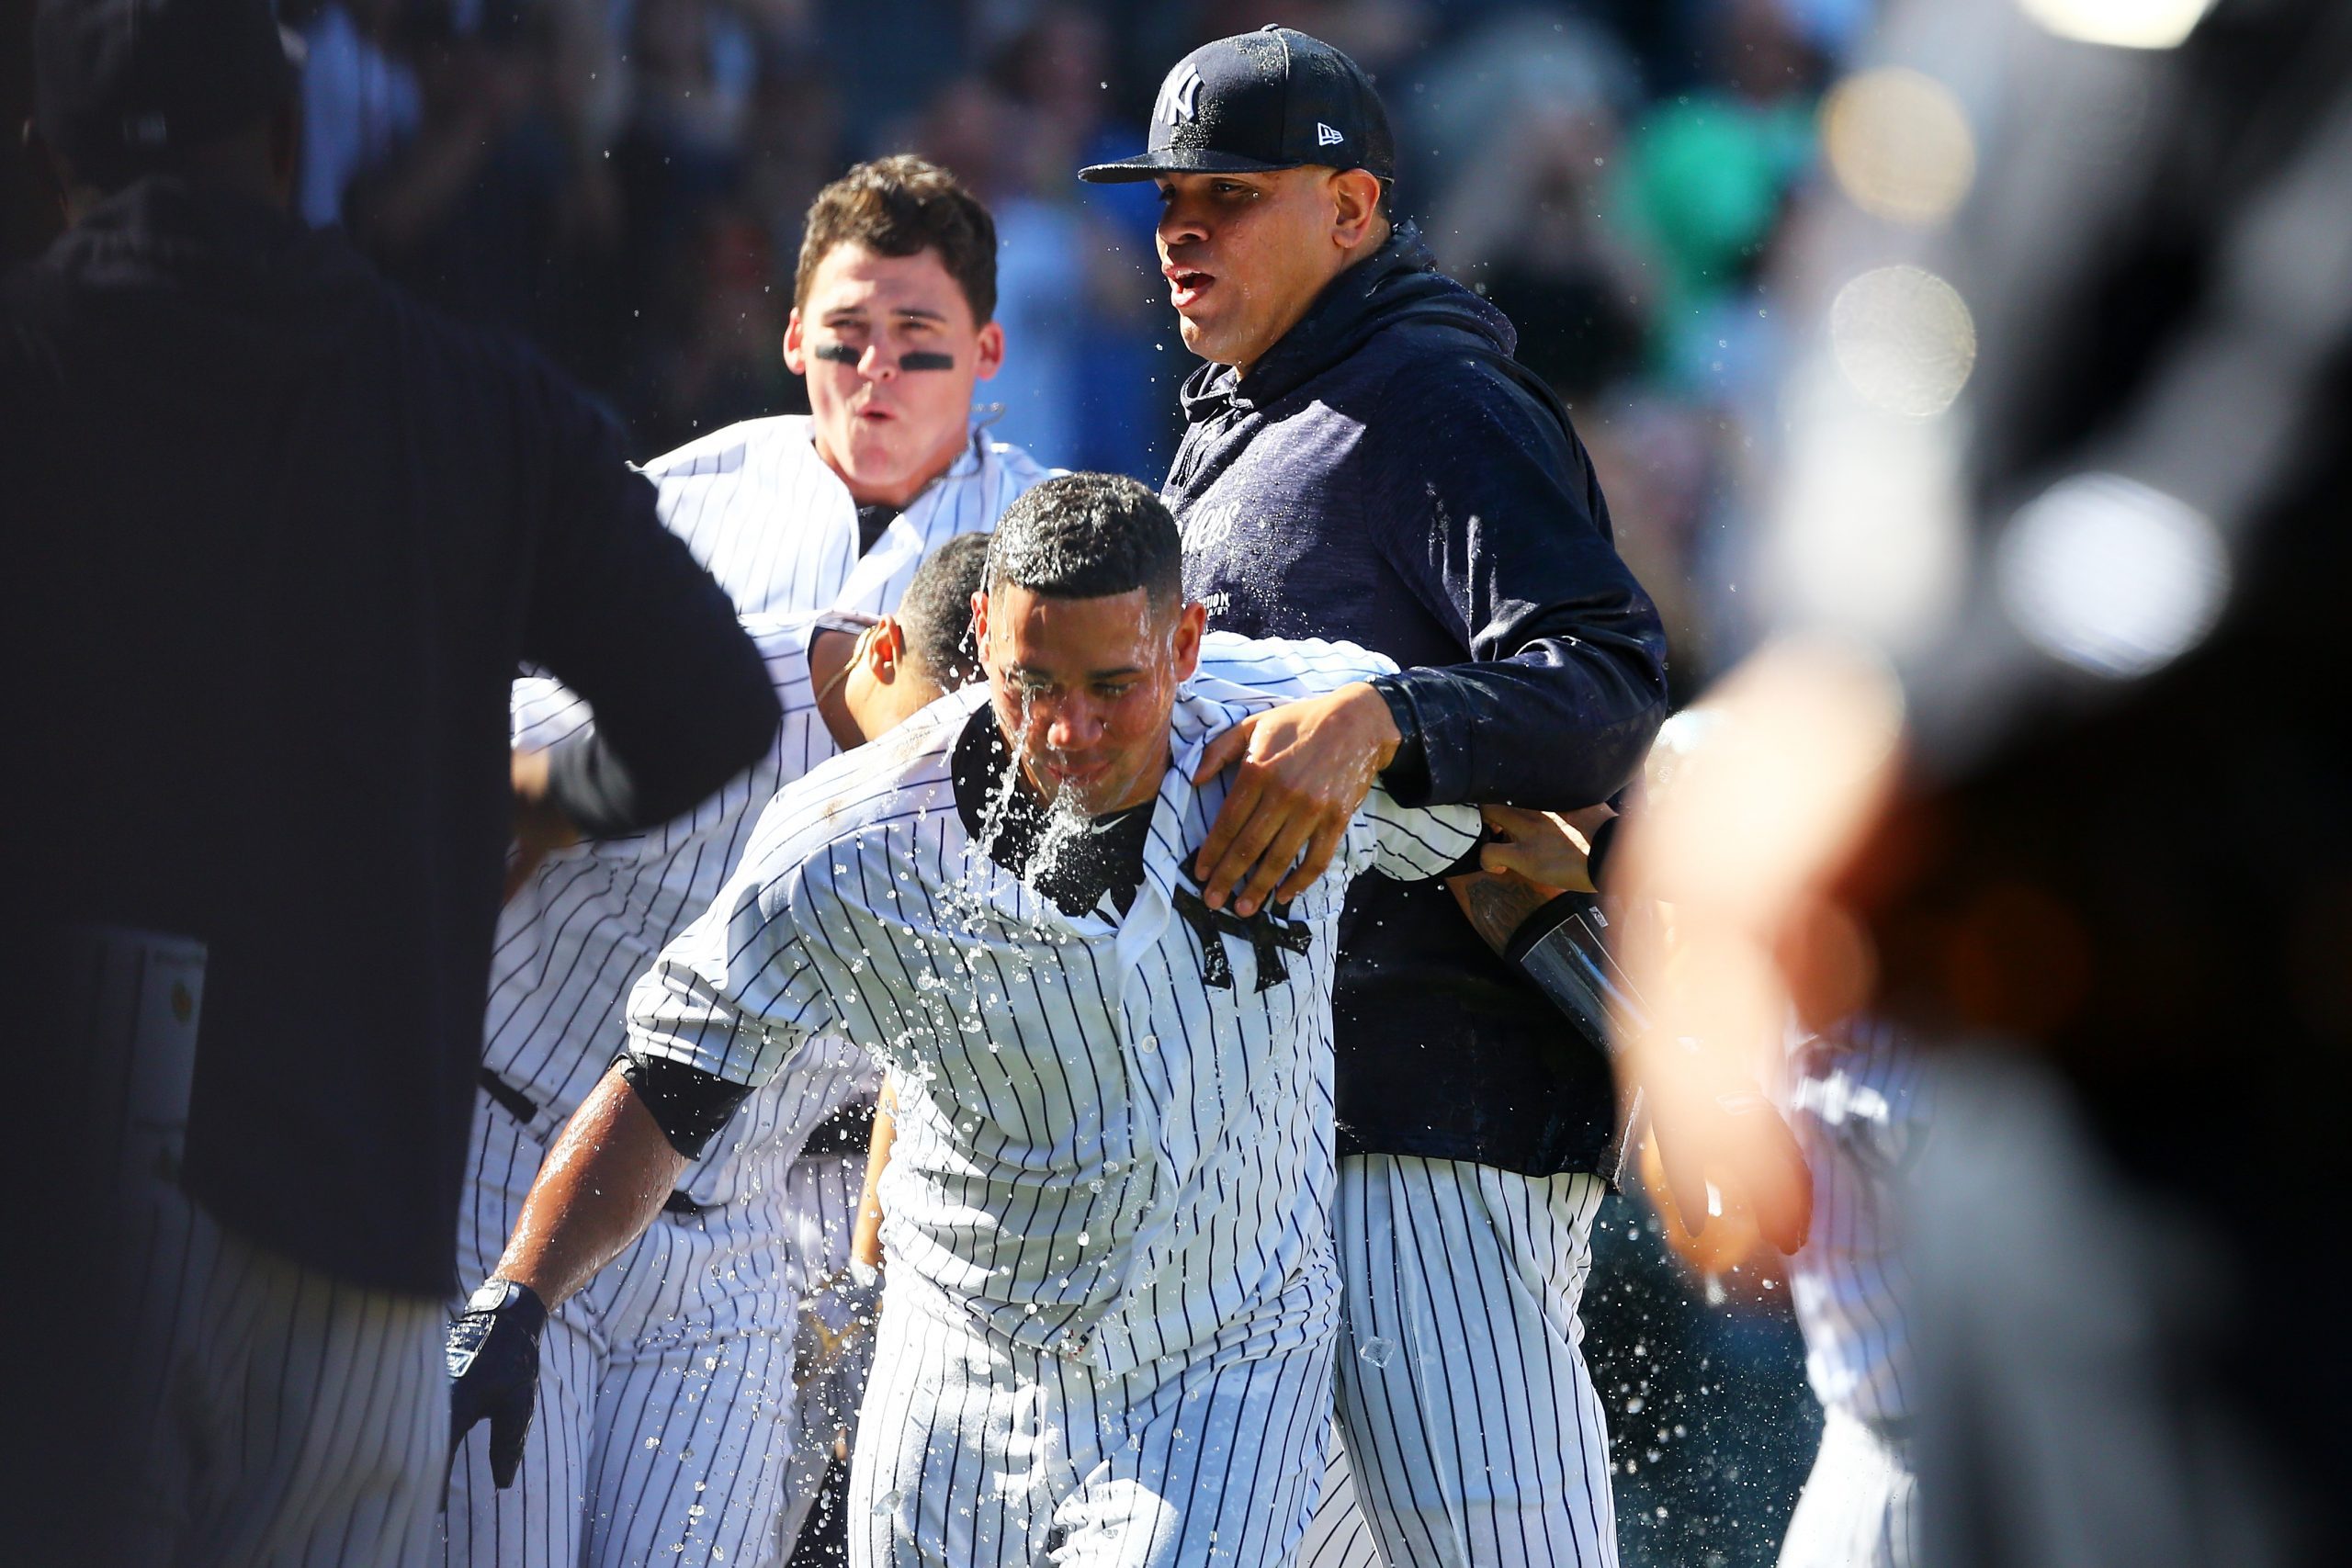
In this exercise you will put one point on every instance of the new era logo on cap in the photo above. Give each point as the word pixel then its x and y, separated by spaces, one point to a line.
pixel 1327 137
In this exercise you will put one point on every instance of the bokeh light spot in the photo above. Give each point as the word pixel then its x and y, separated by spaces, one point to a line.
pixel 2110 575
pixel 1898 145
pixel 2124 23
pixel 1903 339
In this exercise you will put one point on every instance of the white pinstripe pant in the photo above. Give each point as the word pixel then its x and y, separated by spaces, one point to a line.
pixel 289 1417
pixel 272 1415
pixel 1859 1506
pixel 667 1414
pixel 1338 1535
pixel 1473 1428
pixel 977 1454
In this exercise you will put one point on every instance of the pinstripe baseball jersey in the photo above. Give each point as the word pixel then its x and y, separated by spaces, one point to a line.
pixel 1116 1133
pixel 778 528
pixel 592 920
pixel 1857 1101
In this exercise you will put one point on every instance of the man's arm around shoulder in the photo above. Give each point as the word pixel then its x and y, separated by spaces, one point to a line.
pixel 1496 520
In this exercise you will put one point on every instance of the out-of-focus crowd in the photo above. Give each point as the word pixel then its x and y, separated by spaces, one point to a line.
pixel 623 182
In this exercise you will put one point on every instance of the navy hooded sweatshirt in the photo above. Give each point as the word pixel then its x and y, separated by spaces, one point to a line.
pixel 1387 474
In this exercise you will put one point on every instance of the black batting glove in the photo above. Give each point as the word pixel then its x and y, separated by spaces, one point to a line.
pixel 494 1354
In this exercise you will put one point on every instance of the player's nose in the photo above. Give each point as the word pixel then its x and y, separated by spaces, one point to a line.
pixel 1072 725
pixel 878 362
pixel 1180 224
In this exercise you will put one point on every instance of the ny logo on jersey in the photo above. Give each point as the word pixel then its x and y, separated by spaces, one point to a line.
pixel 1180 97
pixel 1268 934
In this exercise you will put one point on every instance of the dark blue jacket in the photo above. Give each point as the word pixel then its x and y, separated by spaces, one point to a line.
pixel 280 536
pixel 1387 474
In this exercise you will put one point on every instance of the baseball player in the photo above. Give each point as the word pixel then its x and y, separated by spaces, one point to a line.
pixel 1108 1328
pixel 669 1413
pixel 892 324
pixel 1317 494
pixel 1858 1098
pixel 891 329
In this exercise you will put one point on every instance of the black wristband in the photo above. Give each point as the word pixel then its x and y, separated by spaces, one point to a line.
pixel 511 1299
pixel 688 1104
pixel 1604 838
pixel 1407 776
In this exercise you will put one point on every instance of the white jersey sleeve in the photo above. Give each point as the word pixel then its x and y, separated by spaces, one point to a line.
pixel 545 711
pixel 1413 843
pixel 736 993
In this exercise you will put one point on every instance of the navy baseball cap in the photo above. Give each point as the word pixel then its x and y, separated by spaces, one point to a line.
pixel 118 81
pixel 1272 99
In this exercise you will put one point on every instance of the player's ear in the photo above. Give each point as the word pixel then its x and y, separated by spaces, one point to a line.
pixel 796 352
pixel 991 354
pixel 1355 201
pixel 1192 624
pixel 980 624
pixel 885 649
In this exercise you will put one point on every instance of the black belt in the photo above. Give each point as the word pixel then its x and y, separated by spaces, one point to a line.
pixel 521 1107
pixel 514 1100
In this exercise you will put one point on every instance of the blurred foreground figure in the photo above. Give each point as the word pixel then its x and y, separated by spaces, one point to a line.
pixel 2061 509
pixel 278 539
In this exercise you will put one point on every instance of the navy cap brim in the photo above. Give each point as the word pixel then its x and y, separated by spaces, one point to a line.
pixel 1177 161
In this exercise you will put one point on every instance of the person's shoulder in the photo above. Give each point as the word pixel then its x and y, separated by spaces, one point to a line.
pixel 1487 397
pixel 464 367
pixel 782 640
pixel 1240 668
pixel 730 447
pixel 1013 465
pixel 1207 706
pixel 887 783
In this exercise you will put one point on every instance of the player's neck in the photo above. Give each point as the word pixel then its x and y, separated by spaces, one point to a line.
pixel 830 652
pixel 902 494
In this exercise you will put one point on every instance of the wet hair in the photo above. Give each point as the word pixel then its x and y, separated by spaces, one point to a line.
pixel 902 205
pixel 935 613
pixel 1089 536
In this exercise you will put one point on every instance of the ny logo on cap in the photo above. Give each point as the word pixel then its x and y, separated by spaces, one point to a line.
pixel 1327 137
pixel 1180 96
